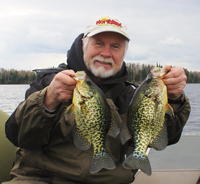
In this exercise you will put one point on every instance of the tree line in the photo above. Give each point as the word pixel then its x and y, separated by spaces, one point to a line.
pixel 17 77
pixel 136 74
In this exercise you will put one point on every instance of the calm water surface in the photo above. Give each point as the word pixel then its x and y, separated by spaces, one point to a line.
pixel 12 95
pixel 193 125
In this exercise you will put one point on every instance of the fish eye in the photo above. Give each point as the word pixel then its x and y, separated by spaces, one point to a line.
pixel 149 79
pixel 89 82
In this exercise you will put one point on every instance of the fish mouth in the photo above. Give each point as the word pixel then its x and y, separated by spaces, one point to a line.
pixel 80 75
pixel 158 72
pixel 165 72
pixel 77 93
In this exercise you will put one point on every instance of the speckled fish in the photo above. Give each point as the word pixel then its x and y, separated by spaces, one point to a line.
pixel 94 120
pixel 145 120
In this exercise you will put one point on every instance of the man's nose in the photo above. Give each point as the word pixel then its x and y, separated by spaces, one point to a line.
pixel 106 52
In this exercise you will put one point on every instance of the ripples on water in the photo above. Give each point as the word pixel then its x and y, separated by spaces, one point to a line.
pixel 193 125
pixel 12 95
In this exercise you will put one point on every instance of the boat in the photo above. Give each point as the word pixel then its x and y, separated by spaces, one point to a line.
pixel 177 164
pixel 7 150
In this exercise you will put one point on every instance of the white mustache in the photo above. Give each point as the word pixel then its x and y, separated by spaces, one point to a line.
pixel 103 60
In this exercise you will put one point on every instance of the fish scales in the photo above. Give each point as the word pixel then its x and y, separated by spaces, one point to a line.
pixel 94 120
pixel 145 120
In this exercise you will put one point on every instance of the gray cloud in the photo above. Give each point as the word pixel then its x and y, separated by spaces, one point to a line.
pixel 37 34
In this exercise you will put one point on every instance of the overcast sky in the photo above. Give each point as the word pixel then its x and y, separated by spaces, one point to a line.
pixel 37 34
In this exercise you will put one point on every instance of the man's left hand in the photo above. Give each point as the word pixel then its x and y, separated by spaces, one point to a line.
pixel 175 81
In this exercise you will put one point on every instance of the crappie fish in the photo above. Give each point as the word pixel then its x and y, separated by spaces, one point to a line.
pixel 145 120
pixel 94 120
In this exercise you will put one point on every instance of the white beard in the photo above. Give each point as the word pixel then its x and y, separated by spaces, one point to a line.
pixel 101 71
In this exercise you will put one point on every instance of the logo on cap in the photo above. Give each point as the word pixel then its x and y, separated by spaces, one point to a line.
pixel 108 22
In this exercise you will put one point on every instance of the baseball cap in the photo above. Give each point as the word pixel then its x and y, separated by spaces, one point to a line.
pixel 106 24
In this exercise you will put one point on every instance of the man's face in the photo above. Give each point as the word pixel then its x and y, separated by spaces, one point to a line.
pixel 104 53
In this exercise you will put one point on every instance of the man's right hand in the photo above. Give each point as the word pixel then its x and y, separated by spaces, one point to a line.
pixel 60 89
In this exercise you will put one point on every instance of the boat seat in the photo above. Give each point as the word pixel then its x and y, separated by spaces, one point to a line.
pixel 182 176
pixel 7 150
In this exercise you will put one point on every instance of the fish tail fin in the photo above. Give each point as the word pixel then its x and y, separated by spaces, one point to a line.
pixel 135 161
pixel 100 161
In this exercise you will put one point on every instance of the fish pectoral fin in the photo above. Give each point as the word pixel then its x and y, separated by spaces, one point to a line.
pixel 135 161
pixel 100 161
pixel 70 109
pixel 169 110
pixel 80 141
pixel 161 140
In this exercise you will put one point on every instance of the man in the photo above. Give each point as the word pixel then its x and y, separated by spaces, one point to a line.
pixel 44 132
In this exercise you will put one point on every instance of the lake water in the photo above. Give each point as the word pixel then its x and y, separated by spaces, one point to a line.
pixel 12 95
